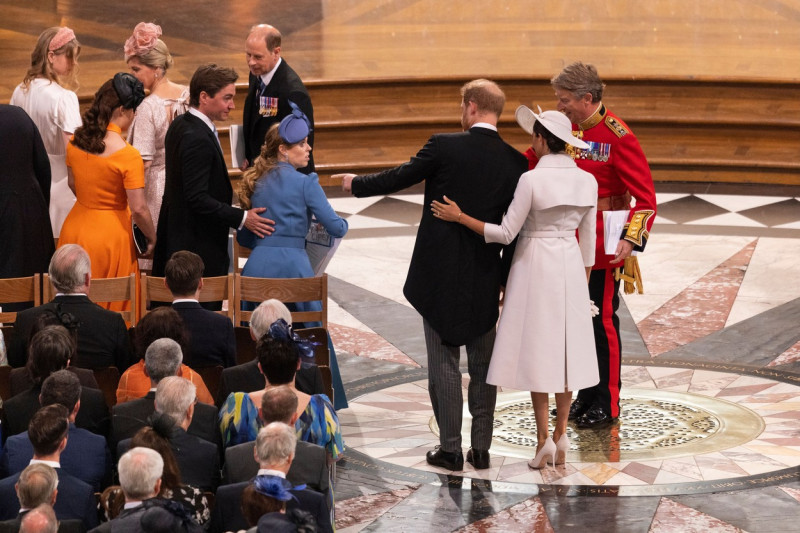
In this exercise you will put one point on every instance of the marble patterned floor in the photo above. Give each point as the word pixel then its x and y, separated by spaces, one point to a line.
pixel 718 323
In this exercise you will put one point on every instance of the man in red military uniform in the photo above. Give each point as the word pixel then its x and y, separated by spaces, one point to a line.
pixel 617 162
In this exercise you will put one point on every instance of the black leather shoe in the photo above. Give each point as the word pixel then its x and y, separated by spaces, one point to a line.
pixel 478 458
pixel 595 418
pixel 447 460
pixel 576 410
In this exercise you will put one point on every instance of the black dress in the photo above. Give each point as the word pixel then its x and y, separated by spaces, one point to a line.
pixel 26 238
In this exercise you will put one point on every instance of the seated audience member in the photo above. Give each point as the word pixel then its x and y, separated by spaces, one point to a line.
pixel 211 338
pixel 102 336
pixel 247 378
pixel 50 350
pixel 36 490
pixel 278 359
pixel 264 506
pixel 156 436
pixel 140 471
pixel 198 459
pixel 160 323
pixel 86 456
pixel 42 519
pixel 275 450
pixel 48 433
pixel 162 359
pixel 20 378
pixel 310 466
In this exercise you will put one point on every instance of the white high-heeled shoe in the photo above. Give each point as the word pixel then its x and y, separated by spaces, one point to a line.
pixel 562 447
pixel 547 450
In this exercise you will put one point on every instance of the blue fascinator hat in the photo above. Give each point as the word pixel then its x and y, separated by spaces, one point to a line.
pixel 295 126
pixel 280 330
pixel 275 487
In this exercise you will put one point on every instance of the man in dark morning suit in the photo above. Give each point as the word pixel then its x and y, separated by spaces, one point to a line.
pixel 86 456
pixel 140 471
pixel 272 85
pixel 211 338
pixel 50 350
pixel 310 465
pixel 161 360
pixel 102 335
pixel 247 377
pixel 48 432
pixel 454 277
pixel 196 213
pixel 41 518
pixel 198 459
pixel 275 451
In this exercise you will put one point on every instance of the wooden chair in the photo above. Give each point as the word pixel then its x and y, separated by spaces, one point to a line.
pixel 108 380
pixel 245 345
pixel 318 337
pixel 5 382
pixel 287 290
pixel 104 290
pixel 153 289
pixel 16 290
pixel 239 252
pixel 327 381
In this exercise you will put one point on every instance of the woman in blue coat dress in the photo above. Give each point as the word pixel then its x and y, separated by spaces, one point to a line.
pixel 291 198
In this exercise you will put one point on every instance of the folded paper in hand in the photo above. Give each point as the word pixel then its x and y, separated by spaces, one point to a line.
pixel 320 247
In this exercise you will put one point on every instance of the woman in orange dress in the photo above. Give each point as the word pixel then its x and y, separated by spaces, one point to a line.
pixel 107 175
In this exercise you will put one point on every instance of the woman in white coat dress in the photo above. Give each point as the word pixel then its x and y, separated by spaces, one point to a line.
pixel 545 341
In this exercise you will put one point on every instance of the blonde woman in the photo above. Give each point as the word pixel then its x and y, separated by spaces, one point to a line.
pixel 46 94
pixel 149 60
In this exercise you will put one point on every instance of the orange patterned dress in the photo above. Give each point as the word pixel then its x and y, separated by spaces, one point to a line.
pixel 100 220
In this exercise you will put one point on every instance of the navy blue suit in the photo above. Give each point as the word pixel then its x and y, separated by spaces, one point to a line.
pixel 211 338
pixel 86 456
pixel 75 499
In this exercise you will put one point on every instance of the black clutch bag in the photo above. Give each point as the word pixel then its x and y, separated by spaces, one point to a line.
pixel 139 240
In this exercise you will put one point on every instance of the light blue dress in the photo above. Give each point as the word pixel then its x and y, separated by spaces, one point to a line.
pixel 291 198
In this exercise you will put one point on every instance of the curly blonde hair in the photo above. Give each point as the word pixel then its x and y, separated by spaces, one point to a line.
pixel 266 161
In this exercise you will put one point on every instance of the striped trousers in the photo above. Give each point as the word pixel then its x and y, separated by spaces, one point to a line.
pixel 444 387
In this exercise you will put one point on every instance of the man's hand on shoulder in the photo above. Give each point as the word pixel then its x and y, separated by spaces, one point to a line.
pixel 347 181
pixel 257 224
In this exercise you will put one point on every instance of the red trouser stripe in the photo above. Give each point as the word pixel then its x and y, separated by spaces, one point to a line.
pixel 612 338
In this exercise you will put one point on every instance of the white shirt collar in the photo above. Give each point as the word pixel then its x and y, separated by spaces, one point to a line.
pixel 266 78
pixel 54 464
pixel 132 505
pixel 484 125
pixel 194 111
pixel 181 300
pixel 268 472
pixel 71 294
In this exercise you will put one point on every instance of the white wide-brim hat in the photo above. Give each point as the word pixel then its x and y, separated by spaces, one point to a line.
pixel 555 122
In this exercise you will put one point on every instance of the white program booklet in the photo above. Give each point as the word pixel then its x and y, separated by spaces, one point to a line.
pixel 320 247
pixel 613 224
pixel 237 145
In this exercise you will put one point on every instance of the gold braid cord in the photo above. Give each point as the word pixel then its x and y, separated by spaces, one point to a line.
pixel 631 275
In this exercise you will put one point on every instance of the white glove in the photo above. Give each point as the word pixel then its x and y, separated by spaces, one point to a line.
pixel 593 308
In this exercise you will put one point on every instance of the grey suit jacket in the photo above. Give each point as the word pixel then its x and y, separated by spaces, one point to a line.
pixel 128 521
pixel 310 467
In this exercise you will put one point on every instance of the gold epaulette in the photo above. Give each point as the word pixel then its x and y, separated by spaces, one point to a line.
pixel 616 126
pixel 636 229
pixel 630 275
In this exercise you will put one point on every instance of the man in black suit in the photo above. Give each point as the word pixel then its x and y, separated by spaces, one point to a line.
pixel 273 84
pixel 198 459
pixel 196 213
pixel 310 467
pixel 140 471
pixel 50 350
pixel 86 456
pixel 161 360
pixel 211 338
pixel 41 518
pixel 102 336
pixel 275 451
pixel 48 432
pixel 247 377
pixel 454 277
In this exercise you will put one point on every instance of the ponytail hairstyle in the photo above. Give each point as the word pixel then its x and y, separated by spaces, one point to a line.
pixel 266 161
pixel 60 41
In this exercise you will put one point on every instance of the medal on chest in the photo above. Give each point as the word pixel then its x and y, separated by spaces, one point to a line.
pixel 595 152
pixel 267 106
